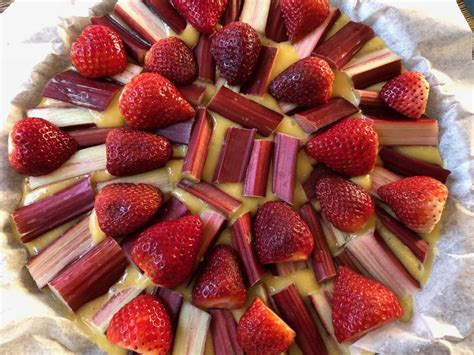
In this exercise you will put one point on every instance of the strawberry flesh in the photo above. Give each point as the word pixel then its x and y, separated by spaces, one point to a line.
pixel 303 16
pixel 221 284
pixel 306 83
pixel 123 208
pixel 360 305
pixel 418 201
pixel 280 234
pixel 167 251
pixel 142 325
pixel 236 48
pixel 38 147
pixel 345 204
pixel 349 147
pixel 150 101
pixel 98 52
pixel 407 93
pixel 173 59
pixel 131 152
pixel 261 331
pixel 202 14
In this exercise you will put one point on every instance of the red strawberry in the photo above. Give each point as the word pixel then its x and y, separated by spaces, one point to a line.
pixel 37 147
pixel 344 203
pixel 173 59
pixel 260 331
pixel 167 251
pixel 303 16
pixel 407 93
pixel 349 147
pixel 236 48
pixel 221 284
pixel 123 208
pixel 360 305
pixel 307 82
pixel 142 325
pixel 150 101
pixel 202 14
pixel 98 52
pixel 418 201
pixel 281 234
pixel 131 152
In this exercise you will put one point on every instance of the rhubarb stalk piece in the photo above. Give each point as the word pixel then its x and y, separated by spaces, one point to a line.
pixel 238 142
pixel 284 166
pixel 370 251
pixel 134 44
pixel 294 312
pixel 258 83
pixel 90 276
pixel 213 223
pixel 196 156
pixel 312 40
pixel 44 215
pixel 158 178
pixel 345 258
pixel 406 132
pixel 245 112
pixel 89 137
pixel 74 243
pixel 321 301
pixel 289 267
pixel 194 94
pixel 211 195
pixel 128 74
pixel 242 241
pixel 191 333
pixel 255 13
pixel 276 29
pixel 72 87
pixel 141 19
pixel 340 48
pixel 406 166
pixel 172 301
pixel 179 133
pixel 258 169
pixel 205 61
pixel 224 332
pixel 232 11
pixel 172 209
pixel 380 176
pixel 374 67
pixel 323 265
pixel 418 246
pixel 66 116
pixel 168 14
pixel 318 117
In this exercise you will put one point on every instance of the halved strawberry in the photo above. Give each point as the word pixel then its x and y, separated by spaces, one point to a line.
pixel 303 16
pixel 260 331
pixel 307 82
pixel 123 208
pixel 173 59
pixel 345 204
pixel 221 284
pixel 131 152
pixel 142 325
pixel 98 52
pixel 167 251
pixel 360 305
pixel 418 201
pixel 407 93
pixel 202 14
pixel 150 101
pixel 281 234
pixel 349 147
pixel 236 48
pixel 37 147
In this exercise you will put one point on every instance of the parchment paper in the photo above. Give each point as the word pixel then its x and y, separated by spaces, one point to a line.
pixel 430 36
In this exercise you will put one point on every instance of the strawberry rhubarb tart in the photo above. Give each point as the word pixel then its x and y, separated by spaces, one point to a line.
pixel 229 177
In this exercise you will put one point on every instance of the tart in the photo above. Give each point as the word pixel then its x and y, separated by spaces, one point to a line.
pixel 218 177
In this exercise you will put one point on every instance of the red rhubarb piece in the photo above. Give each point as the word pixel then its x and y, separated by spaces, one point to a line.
pixel 212 225
pixel 90 276
pixel 168 14
pixel 232 11
pixel 238 142
pixel 202 14
pixel 345 258
pixel 245 112
pixel 172 209
pixel 224 332
pixel 289 267
pixel 179 133
pixel 172 301
pixel 255 13
pixel 257 84
pixel 205 62
pixel 276 29
pixel 284 166
pixel 90 136
pixel 340 48
pixel 258 169
pixel 379 177
pixel 321 301
pixel 194 94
